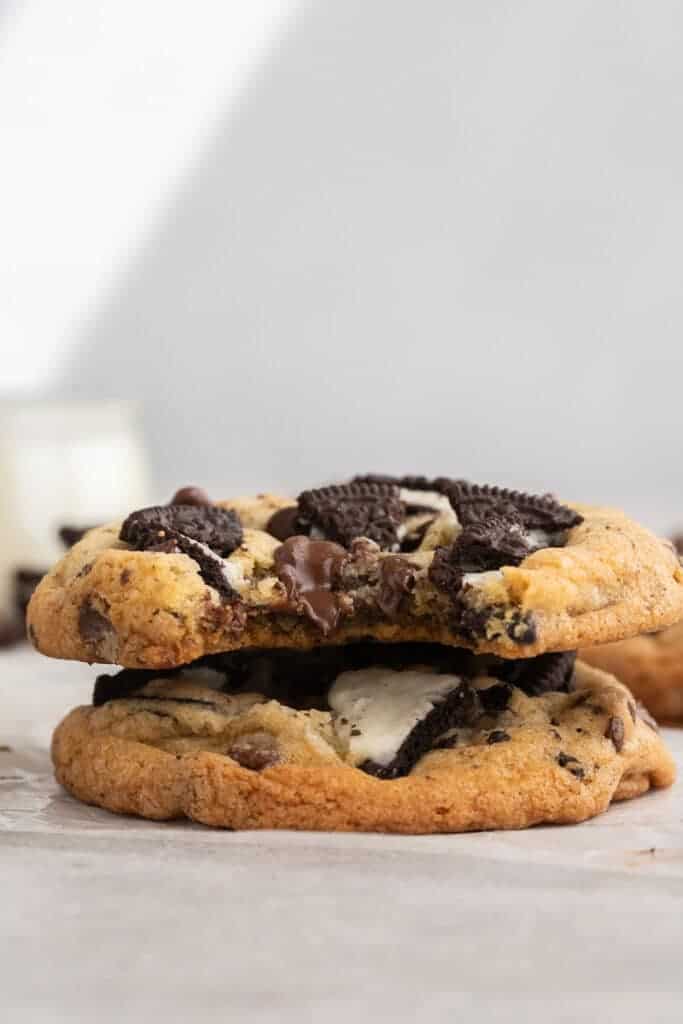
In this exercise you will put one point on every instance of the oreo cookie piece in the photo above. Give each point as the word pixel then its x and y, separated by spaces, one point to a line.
pixel 539 675
pixel 459 708
pixel 124 684
pixel 217 528
pixel 343 512
pixel 474 502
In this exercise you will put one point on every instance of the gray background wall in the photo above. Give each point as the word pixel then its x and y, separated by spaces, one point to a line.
pixel 437 236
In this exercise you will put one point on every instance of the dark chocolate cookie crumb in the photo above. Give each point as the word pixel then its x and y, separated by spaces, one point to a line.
pixel 218 528
pixel 615 732
pixel 495 699
pixel 457 709
pixel 497 736
pixel 346 511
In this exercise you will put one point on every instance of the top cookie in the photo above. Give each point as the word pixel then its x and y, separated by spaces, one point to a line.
pixel 387 559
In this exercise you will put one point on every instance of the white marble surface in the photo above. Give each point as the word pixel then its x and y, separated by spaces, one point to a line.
pixel 112 919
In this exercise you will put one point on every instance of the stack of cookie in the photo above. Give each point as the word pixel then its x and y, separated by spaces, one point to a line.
pixel 391 654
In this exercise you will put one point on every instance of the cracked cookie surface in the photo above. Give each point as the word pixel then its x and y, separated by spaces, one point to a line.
pixel 180 748
pixel 479 567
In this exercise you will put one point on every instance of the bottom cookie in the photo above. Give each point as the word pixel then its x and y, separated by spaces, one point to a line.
pixel 651 666
pixel 416 741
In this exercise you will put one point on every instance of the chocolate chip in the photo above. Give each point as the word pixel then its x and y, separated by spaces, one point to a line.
pixel 615 731
pixel 346 511
pixel 457 709
pixel 92 624
pixel 126 577
pixel 497 736
pixel 217 528
pixel 397 579
pixel 255 750
pixel 572 764
pixel 70 535
pixel 283 524
pixel 191 496
pixel 309 569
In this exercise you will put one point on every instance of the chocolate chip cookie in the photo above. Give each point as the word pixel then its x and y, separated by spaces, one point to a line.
pixel 407 738
pixel 392 559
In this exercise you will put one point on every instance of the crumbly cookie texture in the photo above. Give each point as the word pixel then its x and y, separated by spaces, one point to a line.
pixel 491 570
pixel 651 666
pixel 182 749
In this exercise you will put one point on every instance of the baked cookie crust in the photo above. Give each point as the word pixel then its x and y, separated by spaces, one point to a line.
pixel 180 752
pixel 651 666
pixel 106 602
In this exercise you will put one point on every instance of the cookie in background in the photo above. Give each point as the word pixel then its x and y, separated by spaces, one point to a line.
pixel 74 463
pixel 651 665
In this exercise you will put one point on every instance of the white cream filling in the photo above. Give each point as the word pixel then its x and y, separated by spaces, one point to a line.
pixel 376 708
pixel 430 501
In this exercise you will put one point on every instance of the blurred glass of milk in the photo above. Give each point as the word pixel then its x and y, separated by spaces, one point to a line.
pixel 63 463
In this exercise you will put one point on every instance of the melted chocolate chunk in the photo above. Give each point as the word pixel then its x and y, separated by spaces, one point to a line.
pixel 497 736
pixel 93 625
pixel 283 523
pixel 255 750
pixel 217 528
pixel 309 569
pixel 397 578
pixel 346 511
pixel 615 732
pixel 191 496
pixel 457 709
